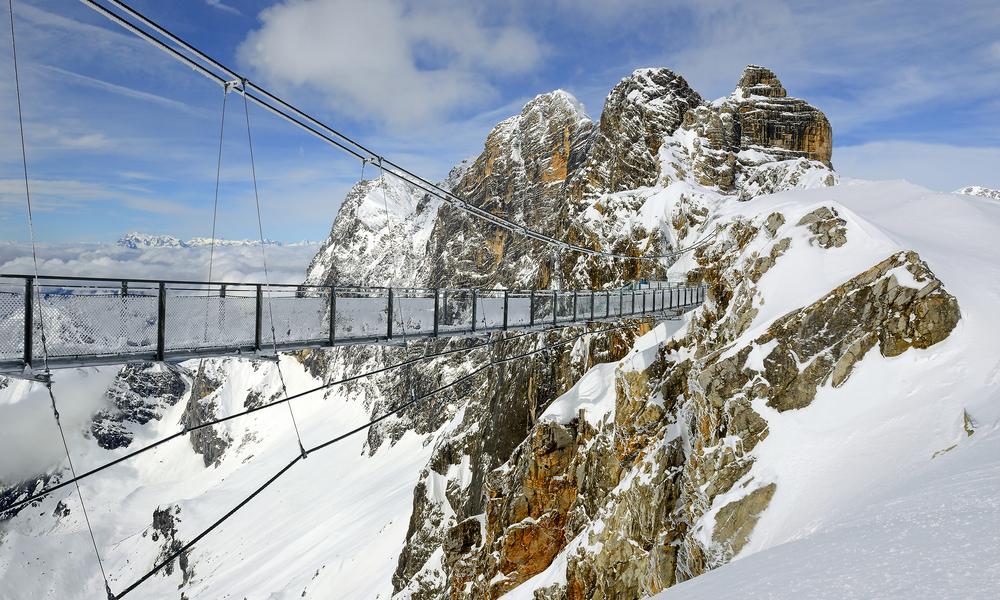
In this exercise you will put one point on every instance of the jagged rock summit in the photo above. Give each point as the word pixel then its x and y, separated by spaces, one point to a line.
pixel 555 170
pixel 770 119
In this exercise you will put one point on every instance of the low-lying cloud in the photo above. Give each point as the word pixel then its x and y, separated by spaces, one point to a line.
pixel 285 264
pixel 29 439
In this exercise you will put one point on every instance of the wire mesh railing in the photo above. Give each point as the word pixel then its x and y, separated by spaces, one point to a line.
pixel 101 321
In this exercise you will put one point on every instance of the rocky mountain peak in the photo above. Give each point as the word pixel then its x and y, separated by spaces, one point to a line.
pixel 558 101
pixel 760 81
pixel 640 110
pixel 772 120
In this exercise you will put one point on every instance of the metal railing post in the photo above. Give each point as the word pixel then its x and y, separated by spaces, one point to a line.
pixel 643 301
pixel 333 313
pixel 388 327
pixel 592 296
pixel 161 322
pixel 444 300
pixel 574 305
pixel 607 304
pixel 29 328
pixel 506 304
pixel 654 301
pixel 258 317
pixel 475 296
pixel 124 288
pixel 621 303
pixel 222 290
pixel 437 293
pixel 555 307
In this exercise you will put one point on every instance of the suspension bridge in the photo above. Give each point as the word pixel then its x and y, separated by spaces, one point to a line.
pixel 94 321
pixel 49 321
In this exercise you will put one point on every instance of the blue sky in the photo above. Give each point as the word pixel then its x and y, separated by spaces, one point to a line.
pixel 121 137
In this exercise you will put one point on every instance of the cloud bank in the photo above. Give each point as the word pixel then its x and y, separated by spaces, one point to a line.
pixel 286 264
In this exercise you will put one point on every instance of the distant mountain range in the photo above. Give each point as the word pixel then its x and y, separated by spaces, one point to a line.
pixel 136 240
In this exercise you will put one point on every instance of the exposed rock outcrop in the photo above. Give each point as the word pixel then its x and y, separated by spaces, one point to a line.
pixel 140 393
pixel 771 120
pixel 978 190
pixel 202 407
pixel 164 532
pixel 521 175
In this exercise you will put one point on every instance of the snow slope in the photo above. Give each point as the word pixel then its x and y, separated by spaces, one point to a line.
pixel 855 470
pixel 278 546
pixel 931 534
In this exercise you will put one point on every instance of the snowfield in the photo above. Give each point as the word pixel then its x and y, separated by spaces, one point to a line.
pixel 930 534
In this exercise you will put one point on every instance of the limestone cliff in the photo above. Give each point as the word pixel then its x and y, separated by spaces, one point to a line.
pixel 505 493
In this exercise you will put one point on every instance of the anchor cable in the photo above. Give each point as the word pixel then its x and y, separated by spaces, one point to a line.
pixel 41 322
pixel 267 284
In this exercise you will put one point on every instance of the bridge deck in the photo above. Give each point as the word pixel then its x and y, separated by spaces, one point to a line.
pixel 107 321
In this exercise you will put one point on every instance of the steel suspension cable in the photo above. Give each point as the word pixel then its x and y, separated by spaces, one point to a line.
pixel 267 283
pixel 47 377
pixel 196 388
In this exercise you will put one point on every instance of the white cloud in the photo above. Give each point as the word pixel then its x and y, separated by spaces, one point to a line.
pixel 286 264
pixel 29 439
pixel 223 7
pixel 54 194
pixel 395 62
pixel 124 91
pixel 937 166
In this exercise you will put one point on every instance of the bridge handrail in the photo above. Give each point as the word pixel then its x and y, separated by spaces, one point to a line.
pixel 161 319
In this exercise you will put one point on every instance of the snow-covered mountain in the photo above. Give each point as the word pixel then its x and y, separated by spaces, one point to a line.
pixel 977 190
pixel 136 240
pixel 846 349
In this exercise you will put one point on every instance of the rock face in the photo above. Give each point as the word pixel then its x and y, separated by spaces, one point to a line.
pixel 140 393
pixel 201 407
pixel 770 119
pixel 164 532
pixel 384 220
pixel 638 113
pixel 521 175
pixel 756 141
